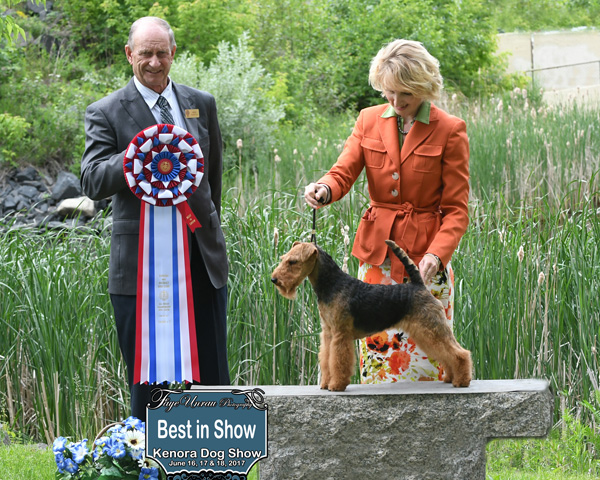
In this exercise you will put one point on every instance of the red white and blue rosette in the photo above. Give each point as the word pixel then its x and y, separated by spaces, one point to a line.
pixel 163 166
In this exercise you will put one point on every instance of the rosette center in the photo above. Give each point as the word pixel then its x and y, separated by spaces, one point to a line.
pixel 165 167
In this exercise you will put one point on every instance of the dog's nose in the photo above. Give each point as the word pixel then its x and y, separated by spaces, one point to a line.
pixel 274 280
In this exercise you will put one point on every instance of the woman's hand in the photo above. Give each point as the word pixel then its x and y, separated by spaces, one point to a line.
pixel 428 267
pixel 316 194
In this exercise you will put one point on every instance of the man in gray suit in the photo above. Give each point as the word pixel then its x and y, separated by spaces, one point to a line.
pixel 110 125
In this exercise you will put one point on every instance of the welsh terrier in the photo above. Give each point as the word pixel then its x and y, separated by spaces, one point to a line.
pixel 351 309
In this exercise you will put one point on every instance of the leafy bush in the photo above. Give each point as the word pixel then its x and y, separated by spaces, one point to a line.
pixel 242 89
pixel 50 92
pixel 459 34
pixel 14 129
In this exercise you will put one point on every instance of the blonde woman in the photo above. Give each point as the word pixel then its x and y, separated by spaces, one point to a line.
pixel 416 158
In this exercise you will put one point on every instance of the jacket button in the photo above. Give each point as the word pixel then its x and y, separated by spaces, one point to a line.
pixel 395 176
pixel 394 193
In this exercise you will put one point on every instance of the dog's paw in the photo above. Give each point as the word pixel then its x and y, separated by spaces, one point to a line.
pixel 337 387
pixel 462 382
pixel 324 386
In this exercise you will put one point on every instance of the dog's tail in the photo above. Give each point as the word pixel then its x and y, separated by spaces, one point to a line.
pixel 411 268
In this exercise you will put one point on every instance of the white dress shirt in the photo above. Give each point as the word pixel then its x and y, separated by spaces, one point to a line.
pixel 151 97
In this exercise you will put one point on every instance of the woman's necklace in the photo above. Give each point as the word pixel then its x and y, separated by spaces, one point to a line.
pixel 399 118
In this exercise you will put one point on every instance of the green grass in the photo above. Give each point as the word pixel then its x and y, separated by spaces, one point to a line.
pixel 33 462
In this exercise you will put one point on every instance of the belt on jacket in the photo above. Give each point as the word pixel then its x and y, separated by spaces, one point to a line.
pixel 407 212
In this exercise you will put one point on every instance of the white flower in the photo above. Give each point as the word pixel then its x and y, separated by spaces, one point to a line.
pixel 521 253
pixel 148 463
pixel 135 439
pixel 276 236
pixel 239 143
pixel 277 159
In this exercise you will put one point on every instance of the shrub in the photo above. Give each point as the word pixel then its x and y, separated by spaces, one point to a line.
pixel 14 129
pixel 242 89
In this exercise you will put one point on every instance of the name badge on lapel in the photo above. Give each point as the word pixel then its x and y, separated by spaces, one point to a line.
pixel 192 113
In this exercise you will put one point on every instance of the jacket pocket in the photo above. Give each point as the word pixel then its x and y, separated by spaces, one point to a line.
pixel 428 159
pixel 374 151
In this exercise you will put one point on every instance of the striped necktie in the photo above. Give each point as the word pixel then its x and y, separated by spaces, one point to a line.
pixel 165 112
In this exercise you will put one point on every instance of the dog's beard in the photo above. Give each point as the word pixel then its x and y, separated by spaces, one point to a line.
pixel 289 294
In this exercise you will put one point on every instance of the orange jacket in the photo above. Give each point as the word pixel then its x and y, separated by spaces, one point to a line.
pixel 419 197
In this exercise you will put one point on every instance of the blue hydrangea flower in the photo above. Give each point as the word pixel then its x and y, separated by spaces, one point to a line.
pixel 79 451
pixel 71 466
pixel 133 422
pixel 116 448
pixel 148 473
pixel 61 462
pixel 59 445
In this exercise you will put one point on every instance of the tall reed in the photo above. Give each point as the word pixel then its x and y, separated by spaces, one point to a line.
pixel 60 367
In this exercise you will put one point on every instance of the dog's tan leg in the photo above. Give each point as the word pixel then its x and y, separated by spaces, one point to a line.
pixel 324 353
pixel 439 343
pixel 341 361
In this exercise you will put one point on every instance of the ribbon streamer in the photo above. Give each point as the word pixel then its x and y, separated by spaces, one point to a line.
pixel 163 167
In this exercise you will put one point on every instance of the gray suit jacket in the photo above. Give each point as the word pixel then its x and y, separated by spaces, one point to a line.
pixel 110 124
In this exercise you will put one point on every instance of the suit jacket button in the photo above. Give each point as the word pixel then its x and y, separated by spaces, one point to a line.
pixel 394 193
pixel 395 176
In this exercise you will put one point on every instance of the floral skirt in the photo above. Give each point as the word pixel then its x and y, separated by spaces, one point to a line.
pixel 391 356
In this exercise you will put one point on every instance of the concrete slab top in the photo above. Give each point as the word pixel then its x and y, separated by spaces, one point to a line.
pixel 402 388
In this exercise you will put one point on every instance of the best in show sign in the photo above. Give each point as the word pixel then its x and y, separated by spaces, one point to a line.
pixel 200 430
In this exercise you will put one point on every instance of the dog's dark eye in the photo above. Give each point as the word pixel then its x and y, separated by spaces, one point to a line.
pixel 292 262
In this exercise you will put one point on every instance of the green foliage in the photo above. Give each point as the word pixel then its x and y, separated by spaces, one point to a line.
pixel 242 89
pixel 535 15
pixel 14 129
pixel 102 28
pixel 521 318
pixel 50 92
pixel 200 25
pixel 459 34
pixel 10 29
pixel 295 41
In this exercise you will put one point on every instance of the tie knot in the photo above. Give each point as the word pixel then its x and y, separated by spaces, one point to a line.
pixel 162 102
pixel 165 111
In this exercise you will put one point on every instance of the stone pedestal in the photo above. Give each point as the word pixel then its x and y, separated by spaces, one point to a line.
pixel 420 431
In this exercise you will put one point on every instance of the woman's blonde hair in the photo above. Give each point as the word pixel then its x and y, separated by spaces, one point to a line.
pixel 406 66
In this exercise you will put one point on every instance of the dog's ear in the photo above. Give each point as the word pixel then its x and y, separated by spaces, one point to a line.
pixel 309 250
pixel 295 243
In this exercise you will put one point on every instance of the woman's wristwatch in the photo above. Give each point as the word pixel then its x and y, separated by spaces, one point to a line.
pixel 437 259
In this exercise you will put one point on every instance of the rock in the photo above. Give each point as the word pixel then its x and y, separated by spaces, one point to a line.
pixel 75 206
pixel 429 430
pixel 28 192
pixel 27 174
pixel 67 186
pixel 9 203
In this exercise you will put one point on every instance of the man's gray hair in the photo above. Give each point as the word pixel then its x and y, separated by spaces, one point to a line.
pixel 158 21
